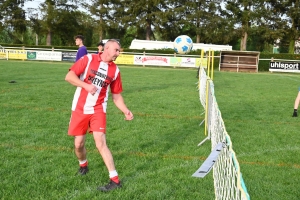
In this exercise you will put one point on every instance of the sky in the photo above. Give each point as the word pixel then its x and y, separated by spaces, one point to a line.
pixel 32 4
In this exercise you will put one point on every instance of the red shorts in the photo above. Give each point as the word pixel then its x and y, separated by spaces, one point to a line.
pixel 80 123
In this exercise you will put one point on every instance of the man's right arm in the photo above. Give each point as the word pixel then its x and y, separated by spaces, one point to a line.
pixel 72 78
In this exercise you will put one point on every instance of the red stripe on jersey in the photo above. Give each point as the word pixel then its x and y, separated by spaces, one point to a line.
pixel 91 69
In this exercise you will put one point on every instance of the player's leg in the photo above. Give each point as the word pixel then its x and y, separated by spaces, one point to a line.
pixel 296 105
pixel 98 127
pixel 100 140
pixel 80 152
pixel 78 127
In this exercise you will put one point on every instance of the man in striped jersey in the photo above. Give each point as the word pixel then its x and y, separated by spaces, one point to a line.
pixel 94 75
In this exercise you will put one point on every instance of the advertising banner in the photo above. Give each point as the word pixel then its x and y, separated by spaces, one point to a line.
pixel 184 62
pixel 17 54
pixel 48 55
pixel 2 54
pixel 31 55
pixel 69 56
pixel 188 62
pixel 201 62
pixel 175 61
pixel 125 59
pixel 152 60
pixel 284 67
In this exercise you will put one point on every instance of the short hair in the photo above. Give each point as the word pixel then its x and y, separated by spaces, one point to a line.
pixel 79 37
pixel 100 44
pixel 114 40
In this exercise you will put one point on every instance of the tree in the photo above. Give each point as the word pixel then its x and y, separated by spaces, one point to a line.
pixel 14 19
pixel 34 23
pixel 60 17
pixel 48 14
pixel 243 14
pixel 291 9
pixel 202 18
pixel 105 14
pixel 145 16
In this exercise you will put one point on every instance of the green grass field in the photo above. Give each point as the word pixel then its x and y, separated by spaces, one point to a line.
pixel 157 152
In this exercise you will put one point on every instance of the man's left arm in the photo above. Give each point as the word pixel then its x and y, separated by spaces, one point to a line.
pixel 119 102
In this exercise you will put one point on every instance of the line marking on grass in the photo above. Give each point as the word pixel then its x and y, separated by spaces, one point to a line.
pixel 141 154
pixel 136 113
pixel 297 166
pixel 152 115
pixel 260 121
pixel 7 90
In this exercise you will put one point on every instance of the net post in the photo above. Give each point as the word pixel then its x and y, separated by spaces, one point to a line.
pixel 212 65
pixel 206 131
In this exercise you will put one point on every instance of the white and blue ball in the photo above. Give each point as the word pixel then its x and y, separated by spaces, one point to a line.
pixel 183 44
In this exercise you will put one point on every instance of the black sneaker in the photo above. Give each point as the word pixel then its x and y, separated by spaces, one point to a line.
pixel 110 186
pixel 83 170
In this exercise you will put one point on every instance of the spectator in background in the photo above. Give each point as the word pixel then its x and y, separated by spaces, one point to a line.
pixel 100 47
pixel 82 49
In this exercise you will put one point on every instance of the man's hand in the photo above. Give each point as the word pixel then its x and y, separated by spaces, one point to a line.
pixel 91 88
pixel 128 115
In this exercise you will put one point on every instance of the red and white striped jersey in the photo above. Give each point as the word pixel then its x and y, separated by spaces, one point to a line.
pixel 91 69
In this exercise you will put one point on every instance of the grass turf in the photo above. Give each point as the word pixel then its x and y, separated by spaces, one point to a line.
pixel 157 152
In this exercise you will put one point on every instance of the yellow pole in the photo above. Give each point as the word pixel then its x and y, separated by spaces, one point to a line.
pixel 206 107
pixel 201 63
pixel 202 54
pixel 212 66
pixel 208 63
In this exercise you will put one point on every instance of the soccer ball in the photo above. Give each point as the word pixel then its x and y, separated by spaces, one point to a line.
pixel 183 44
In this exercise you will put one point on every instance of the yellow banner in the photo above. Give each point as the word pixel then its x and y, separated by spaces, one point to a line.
pixel 17 54
pixel 201 62
pixel 124 59
pixel 2 55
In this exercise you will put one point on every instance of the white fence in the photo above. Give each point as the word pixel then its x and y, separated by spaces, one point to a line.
pixel 129 58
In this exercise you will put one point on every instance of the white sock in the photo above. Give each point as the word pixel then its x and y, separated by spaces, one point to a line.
pixel 82 161
pixel 113 174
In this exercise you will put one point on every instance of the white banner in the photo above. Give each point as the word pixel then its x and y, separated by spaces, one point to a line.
pixel 152 60
pixel 48 55
pixel 188 62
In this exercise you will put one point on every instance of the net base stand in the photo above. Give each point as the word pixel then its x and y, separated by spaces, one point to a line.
pixel 202 122
pixel 207 138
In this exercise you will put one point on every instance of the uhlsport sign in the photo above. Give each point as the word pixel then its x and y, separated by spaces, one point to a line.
pixel 284 67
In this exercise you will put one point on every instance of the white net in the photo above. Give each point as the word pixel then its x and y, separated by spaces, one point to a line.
pixel 228 181
pixel 202 86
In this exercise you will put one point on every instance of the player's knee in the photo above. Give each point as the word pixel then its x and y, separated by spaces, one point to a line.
pixel 79 145
pixel 101 145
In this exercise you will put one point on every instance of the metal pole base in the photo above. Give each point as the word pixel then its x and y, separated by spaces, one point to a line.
pixel 207 138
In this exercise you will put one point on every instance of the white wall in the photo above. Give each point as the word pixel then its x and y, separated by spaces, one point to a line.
pixel 150 44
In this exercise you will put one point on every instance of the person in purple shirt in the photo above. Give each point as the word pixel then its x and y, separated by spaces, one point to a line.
pixel 82 49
